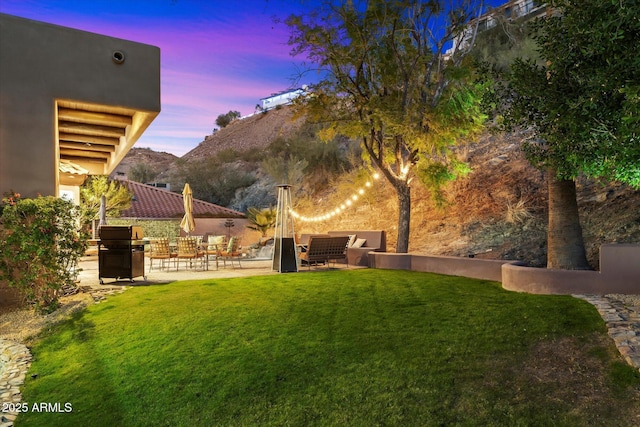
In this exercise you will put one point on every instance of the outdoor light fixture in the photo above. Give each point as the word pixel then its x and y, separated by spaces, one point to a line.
pixel 338 210
pixel 118 57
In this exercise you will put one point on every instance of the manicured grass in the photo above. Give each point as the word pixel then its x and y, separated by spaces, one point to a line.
pixel 357 348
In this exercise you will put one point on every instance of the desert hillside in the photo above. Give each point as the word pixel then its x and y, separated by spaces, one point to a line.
pixel 252 133
pixel 497 211
pixel 158 161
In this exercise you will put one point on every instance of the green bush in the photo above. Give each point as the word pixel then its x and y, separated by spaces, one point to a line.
pixel 40 245
pixel 153 228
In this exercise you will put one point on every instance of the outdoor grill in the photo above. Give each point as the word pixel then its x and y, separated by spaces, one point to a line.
pixel 120 252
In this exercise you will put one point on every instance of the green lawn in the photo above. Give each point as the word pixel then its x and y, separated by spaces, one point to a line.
pixel 336 348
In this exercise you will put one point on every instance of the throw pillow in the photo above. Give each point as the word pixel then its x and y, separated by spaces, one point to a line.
pixel 352 239
pixel 358 243
pixel 232 242
pixel 216 242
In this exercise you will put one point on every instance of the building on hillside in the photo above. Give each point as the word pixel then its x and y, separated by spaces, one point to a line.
pixel 511 11
pixel 282 98
pixel 152 204
pixel 72 104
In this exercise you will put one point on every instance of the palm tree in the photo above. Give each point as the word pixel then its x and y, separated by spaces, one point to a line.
pixel 261 220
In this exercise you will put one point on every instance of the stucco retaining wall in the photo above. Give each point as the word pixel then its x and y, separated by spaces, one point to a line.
pixel 548 281
pixel 619 263
pixel 487 269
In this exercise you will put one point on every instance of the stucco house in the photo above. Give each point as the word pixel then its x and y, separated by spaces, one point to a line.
pixel 282 98
pixel 72 103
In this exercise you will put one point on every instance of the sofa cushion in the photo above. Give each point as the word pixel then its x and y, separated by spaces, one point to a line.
pixel 375 240
pixel 359 243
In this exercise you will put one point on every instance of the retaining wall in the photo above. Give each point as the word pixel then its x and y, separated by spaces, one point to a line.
pixel 619 271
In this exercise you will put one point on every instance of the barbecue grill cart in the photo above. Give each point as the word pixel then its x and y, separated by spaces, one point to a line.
pixel 120 252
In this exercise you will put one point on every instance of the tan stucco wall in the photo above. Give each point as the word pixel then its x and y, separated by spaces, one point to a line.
pixel 619 263
pixel 215 226
pixel 41 63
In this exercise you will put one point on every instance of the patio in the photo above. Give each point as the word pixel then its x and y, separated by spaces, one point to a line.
pixel 89 275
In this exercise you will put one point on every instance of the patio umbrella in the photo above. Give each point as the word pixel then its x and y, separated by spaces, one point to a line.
pixel 103 211
pixel 187 223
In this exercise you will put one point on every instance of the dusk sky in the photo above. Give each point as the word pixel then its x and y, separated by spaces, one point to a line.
pixel 215 55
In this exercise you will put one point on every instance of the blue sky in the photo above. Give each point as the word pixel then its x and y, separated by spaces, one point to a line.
pixel 216 55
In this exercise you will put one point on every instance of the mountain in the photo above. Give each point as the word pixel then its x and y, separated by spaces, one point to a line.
pixel 255 132
pixel 158 161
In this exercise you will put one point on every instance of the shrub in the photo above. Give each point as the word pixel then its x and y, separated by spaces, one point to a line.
pixel 169 228
pixel 40 246
pixel 261 220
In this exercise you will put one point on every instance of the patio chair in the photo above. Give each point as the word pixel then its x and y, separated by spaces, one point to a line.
pixel 214 246
pixel 232 252
pixel 160 250
pixel 189 250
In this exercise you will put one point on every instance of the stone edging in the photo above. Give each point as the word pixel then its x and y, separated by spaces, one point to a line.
pixel 622 326
pixel 16 360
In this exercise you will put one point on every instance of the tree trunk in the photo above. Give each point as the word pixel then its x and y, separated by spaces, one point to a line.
pixel 565 247
pixel 404 216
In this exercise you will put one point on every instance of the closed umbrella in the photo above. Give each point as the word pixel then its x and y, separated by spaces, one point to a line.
pixel 187 223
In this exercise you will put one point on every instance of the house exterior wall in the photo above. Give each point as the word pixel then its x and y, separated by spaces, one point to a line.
pixel 42 63
pixel 510 10
pixel 216 227
pixel 281 98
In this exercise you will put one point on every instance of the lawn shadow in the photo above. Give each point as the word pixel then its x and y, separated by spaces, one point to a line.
pixel 71 340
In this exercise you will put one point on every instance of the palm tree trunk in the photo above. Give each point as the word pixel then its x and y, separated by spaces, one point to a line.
pixel 565 246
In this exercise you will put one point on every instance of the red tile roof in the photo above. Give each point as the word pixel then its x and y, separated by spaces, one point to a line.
pixel 152 202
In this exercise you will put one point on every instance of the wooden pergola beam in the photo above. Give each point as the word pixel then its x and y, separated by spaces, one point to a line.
pixel 87 146
pixel 94 118
pixel 87 129
pixel 66 152
pixel 88 139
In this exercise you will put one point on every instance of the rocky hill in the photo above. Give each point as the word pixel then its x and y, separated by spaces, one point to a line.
pixel 252 133
pixel 498 211
pixel 159 161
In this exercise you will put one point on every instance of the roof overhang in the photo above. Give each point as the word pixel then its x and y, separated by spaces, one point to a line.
pixel 97 137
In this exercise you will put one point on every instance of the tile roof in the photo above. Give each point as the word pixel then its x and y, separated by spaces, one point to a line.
pixel 152 202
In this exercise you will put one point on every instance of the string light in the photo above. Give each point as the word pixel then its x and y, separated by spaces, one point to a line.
pixel 339 209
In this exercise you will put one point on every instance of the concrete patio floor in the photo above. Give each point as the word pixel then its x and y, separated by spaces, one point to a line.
pixel 89 279
pixel 250 267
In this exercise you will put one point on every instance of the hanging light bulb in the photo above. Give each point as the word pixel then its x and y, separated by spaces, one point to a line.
pixel 343 206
